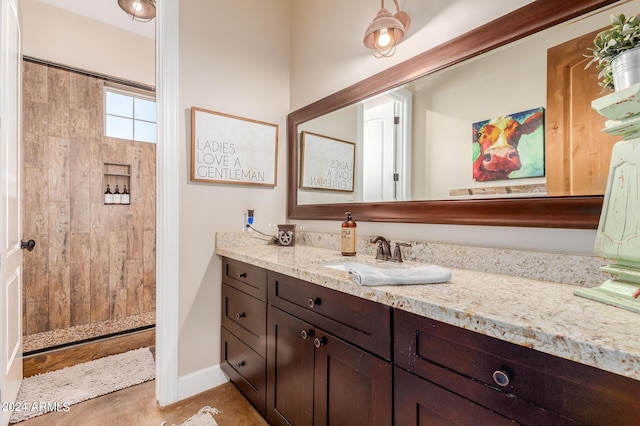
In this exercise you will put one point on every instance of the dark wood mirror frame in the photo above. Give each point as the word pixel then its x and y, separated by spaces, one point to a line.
pixel 578 212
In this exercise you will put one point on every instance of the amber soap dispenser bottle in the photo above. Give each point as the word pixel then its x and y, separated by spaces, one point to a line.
pixel 348 236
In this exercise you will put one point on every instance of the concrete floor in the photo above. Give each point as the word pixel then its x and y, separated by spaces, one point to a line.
pixel 137 406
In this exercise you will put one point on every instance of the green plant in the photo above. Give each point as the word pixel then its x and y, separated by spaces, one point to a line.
pixel 624 34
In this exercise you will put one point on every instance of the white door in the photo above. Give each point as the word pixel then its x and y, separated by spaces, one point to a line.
pixel 10 208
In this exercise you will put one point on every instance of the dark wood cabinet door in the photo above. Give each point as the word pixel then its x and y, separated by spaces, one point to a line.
pixel 418 402
pixel 290 356
pixel 352 387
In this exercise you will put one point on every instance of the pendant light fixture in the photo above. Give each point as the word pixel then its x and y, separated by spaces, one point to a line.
pixel 139 10
pixel 386 31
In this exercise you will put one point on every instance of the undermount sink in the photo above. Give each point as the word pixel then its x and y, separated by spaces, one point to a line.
pixel 346 265
pixel 342 266
pixel 390 274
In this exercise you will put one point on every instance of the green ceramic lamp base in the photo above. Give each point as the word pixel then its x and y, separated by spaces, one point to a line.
pixel 623 292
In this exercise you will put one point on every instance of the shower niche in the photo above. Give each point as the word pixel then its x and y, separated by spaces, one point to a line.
pixel 116 181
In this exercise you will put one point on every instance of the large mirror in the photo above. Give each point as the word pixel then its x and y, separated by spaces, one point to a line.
pixel 415 128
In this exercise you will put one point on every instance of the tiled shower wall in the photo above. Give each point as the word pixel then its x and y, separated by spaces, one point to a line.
pixel 92 262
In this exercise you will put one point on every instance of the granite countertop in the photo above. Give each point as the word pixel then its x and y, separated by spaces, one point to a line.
pixel 537 314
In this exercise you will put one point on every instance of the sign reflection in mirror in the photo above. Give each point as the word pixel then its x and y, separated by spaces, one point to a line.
pixel 231 149
pixel 519 76
pixel 327 163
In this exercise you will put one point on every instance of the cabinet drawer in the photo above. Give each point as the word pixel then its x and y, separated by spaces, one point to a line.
pixel 246 317
pixel 580 392
pixel 246 369
pixel 247 278
pixel 420 402
pixel 362 322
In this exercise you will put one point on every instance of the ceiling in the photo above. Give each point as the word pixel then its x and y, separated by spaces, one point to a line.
pixel 106 11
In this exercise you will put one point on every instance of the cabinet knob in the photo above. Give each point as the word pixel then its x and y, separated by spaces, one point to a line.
pixel 502 377
pixel 319 341
pixel 306 333
pixel 242 275
pixel 240 315
pixel 313 303
pixel 239 364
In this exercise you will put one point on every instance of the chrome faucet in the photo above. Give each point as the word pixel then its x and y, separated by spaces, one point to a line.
pixel 384 248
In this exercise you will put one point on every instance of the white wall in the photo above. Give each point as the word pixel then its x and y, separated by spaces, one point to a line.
pixel 66 38
pixel 323 62
pixel 234 58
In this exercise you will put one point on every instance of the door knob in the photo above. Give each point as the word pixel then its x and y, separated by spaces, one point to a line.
pixel 29 245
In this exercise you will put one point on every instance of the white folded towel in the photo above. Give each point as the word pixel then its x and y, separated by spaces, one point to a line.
pixel 374 276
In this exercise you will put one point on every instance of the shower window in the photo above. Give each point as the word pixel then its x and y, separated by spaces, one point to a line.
pixel 130 116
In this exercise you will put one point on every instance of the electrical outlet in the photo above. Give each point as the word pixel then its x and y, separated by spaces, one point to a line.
pixel 249 218
pixel 244 222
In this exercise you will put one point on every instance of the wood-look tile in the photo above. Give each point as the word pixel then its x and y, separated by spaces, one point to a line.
pixel 149 257
pixel 118 303
pixel 149 159
pixel 115 151
pixel 80 247
pixel 79 153
pixel 36 201
pixel 58 169
pixel 117 260
pixel 59 296
pixel 135 155
pixel 135 232
pixel 80 279
pixel 35 82
pixel 80 201
pixel 149 299
pixel 59 233
pixel 58 101
pixel 35 134
pixel 35 279
pixel 79 90
pixel 36 313
pixel 97 186
pixel 35 151
pixel 80 310
pixel 118 218
pixel 149 197
pixel 100 294
pixel 135 287
pixel 80 306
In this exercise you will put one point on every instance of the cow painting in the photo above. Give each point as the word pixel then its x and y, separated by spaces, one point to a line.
pixel 496 153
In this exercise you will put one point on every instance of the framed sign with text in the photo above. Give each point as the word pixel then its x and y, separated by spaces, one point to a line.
pixel 234 150
pixel 326 163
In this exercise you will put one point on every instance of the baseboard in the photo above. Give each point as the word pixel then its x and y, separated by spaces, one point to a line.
pixel 200 381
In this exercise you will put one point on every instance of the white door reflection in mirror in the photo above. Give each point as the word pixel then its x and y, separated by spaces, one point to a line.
pixel 386 147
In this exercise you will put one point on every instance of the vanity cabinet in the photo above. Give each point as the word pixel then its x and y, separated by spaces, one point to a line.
pixel 328 356
pixel 304 354
pixel 461 371
pixel 244 329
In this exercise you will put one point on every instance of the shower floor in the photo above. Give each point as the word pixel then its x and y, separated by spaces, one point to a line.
pixel 69 335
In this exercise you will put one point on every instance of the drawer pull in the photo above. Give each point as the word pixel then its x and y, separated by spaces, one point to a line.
pixel 306 333
pixel 317 342
pixel 239 364
pixel 242 275
pixel 501 377
pixel 313 303
pixel 240 315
